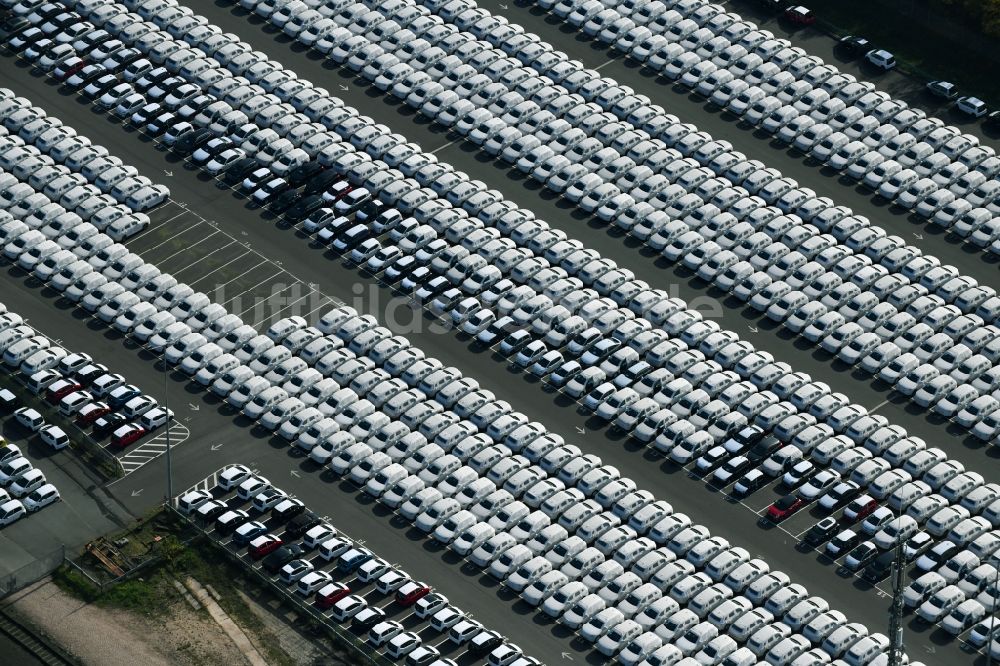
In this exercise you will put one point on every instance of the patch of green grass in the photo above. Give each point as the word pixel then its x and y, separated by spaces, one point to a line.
pixel 75 584
pixel 145 596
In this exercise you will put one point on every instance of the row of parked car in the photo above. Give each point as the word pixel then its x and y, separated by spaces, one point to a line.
pixel 830 115
pixel 282 538
pixel 792 261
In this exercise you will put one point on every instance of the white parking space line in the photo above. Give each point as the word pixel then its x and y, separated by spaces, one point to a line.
pixel 167 239
pixel 450 143
pixel 197 261
pixel 153 448
pixel 208 275
pixel 879 405
pixel 186 248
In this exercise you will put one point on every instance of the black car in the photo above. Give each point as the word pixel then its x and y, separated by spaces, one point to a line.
pixel 268 190
pixel 281 557
pixel 282 201
pixel 108 423
pixel 942 553
pixel 303 173
pixel 880 567
pixel 301 524
pixel 854 45
pixel 750 482
pixel 60 22
pixel 485 643
pixel 87 74
pixel 119 60
pixel 736 467
pixel 229 525
pixel 12 26
pixel 434 287
pixel 368 620
pixel 99 86
pixel 211 514
pixel 286 510
pixel 763 448
pixel 8 401
pixel 772 5
pixel 400 268
pixel 239 170
pixel 193 107
pixel 25 38
pixel 370 209
pixel 212 148
pixel 494 332
pixel 843 543
pixel 822 531
pixel 92 39
pixel 334 229
pixel 256 178
pixel 321 182
pixel 192 141
pixel 88 373
pixel 992 120
pixel 840 495
pixel 304 207
pixel 122 398
pixel 351 238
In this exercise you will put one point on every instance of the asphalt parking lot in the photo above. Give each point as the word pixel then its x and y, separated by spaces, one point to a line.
pixel 209 239
pixel 198 204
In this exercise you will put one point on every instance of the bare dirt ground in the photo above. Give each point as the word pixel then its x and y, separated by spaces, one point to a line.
pixel 99 636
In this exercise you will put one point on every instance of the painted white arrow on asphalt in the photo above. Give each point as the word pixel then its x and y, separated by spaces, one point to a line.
pixel 193 407
pixel 136 493
pixel 216 447
pixel 581 430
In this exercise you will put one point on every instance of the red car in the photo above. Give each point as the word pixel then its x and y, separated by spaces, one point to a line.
pixel 410 593
pixel 330 594
pixel 860 509
pixel 90 413
pixel 338 191
pixel 263 545
pixel 799 15
pixel 61 389
pixel 126 435
pixel 785 507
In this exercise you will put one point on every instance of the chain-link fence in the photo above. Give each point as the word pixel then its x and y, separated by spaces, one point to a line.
pixel 31 572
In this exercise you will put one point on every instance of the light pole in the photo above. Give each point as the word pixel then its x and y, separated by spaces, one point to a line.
pixel 993 616
pixel 166 406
